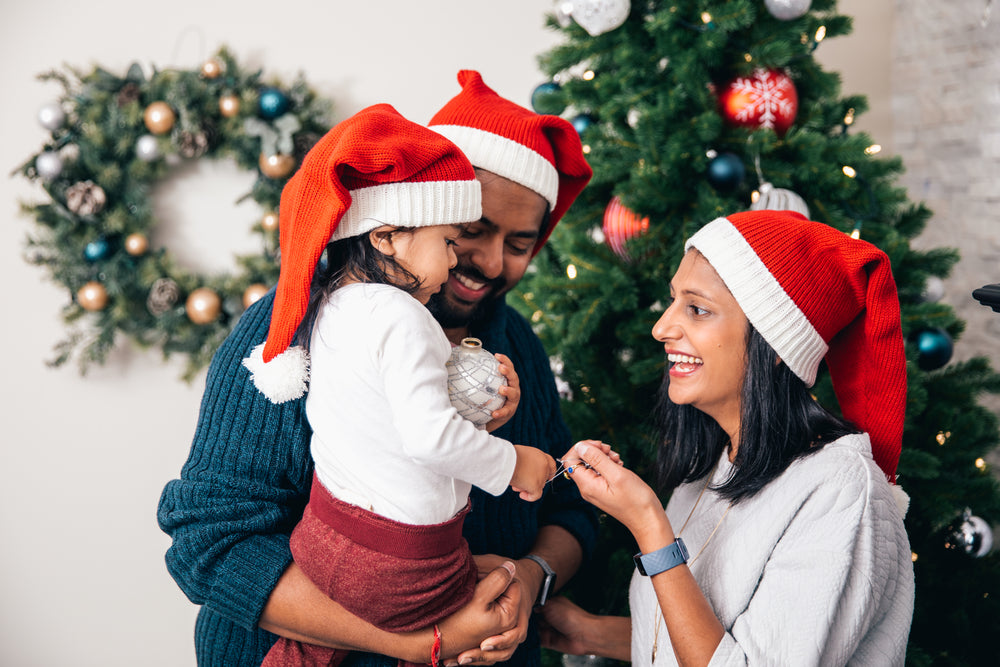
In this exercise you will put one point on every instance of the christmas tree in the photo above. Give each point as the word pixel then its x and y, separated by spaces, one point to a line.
pixel 690 110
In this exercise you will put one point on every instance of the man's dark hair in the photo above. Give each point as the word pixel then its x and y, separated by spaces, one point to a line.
pixel 779 422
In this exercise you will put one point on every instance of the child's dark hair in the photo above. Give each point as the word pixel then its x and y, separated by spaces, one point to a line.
pixel 779 422
pixel 354 259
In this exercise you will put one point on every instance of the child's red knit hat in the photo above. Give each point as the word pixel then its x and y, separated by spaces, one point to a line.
pixel 375 168
pixel 541 152
pixel 814 292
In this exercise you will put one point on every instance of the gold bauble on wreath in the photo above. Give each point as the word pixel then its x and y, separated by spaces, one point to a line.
pixel 159 117
pixel 276 166
pixel 130 287
pixel 270 221
pixel 229 106
pixel 92 296
pixel 136 244
pixel 203 306
pixel 253 294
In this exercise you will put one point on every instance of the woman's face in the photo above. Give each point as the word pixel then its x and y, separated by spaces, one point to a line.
pixel 703 332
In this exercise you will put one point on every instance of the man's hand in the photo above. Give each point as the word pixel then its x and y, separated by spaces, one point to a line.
pixel 495 605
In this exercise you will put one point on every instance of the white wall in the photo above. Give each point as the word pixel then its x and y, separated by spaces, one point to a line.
pixel 83 459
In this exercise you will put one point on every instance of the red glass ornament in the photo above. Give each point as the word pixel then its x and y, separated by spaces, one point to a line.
pixel 767 98
pixel 621 224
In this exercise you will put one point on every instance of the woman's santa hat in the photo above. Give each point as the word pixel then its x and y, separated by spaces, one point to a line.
pixel 814 292
pixel 375 168
pixel 541 152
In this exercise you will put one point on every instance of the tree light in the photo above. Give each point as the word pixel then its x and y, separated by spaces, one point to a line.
pixel 942 437
pixel 913 556
pixel 981 464
pixel 588 75
pixel 586 149
pixel 849 171
pixel 706 18
pixel 820 34
pixel 849 117
pixel 571 272
pixel 873 149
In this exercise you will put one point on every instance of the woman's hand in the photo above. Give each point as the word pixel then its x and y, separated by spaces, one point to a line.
pixel 615 489
pixel 493 610
pixel 511 391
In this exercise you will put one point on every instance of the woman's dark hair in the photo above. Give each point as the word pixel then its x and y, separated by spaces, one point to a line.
pixel 357 260
pixel 779 422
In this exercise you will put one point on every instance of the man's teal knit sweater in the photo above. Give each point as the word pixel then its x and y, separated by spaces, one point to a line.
pixel 247 480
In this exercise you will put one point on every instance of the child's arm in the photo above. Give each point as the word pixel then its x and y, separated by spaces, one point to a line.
pixel 511 391
pixel 533 469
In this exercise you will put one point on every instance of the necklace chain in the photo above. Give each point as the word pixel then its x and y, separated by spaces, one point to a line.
pixel 659 612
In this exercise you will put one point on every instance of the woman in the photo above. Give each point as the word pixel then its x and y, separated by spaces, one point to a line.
pixel 783 540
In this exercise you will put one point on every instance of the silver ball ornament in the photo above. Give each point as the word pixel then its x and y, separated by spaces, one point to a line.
pixel 786 10
pixel 48 165
pixel 147 148
pixel 51 116
pixel 474 381
pixel 972 536
pixel 933 289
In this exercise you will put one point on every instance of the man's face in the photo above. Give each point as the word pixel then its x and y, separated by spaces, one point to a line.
pixel 493 253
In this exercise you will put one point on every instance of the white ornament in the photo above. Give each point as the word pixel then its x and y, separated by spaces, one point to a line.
pixel 563 13
pixel 786 10
pixel 51 116
pixel 474 381
pixel 48 165
pixel 599 16
pixel 147 148
pixel 933 289
pixel 778 199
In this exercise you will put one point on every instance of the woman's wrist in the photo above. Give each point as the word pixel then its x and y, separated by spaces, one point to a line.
pixel 652 530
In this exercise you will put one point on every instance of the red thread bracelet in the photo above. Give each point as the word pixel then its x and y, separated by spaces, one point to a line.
pixel 436 648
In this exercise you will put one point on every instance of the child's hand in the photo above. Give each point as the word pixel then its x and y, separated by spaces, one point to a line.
pixel 511 392
pixel 532 470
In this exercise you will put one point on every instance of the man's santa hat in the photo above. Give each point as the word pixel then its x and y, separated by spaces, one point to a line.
pixel 814 292
pixel 541 152
pixel 375 168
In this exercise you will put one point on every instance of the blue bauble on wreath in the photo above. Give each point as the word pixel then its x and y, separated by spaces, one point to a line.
pixel 726 172
pixel 272 103
pixel 96 250
pixel 547 98
pixel 934 348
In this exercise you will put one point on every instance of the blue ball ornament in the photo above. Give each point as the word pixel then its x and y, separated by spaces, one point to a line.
pixel 547 98
pixel 96 250
pixel 934 348
pixel 582 122
pixel 726 172
pixel 272 103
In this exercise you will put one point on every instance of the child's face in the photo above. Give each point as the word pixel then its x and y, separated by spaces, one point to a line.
pixel 429 254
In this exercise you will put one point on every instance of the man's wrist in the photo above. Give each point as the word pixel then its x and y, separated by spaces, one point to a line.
pixel 546 584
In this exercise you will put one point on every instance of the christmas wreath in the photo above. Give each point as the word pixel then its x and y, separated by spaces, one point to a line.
pixel 112 138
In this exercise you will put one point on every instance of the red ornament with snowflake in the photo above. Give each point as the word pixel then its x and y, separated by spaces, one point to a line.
pixel 767 98
pixel 621 224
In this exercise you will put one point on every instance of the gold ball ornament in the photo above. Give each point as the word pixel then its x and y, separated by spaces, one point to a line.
pixel 92 296
pixel 136 244
pixel 212 68
pixel 159 117
pixel 276 166
pixel 203 306
pixel 270 221
pixel 229 105
pixel 253 293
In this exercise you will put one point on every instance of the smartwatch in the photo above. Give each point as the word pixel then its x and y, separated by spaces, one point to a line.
pixel 548 584
pixel 661 560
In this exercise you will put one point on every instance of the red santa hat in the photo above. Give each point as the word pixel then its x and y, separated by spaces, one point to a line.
pixel 375 168
pixel 541 152
pixel 814 292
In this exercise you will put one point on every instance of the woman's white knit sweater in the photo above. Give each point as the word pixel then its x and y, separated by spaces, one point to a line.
pixel 815 569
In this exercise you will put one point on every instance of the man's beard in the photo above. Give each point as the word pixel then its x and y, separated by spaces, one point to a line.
pixel 451 317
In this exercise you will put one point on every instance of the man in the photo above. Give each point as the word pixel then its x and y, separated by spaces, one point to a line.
pixel 248 476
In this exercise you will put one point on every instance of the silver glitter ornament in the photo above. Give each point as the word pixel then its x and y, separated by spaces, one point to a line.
pixel 48 165
pixel 51 116
pixel 474 381
pixel 786 10
pixel 147 148
pixel 972 536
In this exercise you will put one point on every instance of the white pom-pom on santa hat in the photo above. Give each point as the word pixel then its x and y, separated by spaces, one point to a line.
pixel 901 497
pixel 284 378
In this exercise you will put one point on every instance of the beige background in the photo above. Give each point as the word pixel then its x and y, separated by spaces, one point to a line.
pixel 83 460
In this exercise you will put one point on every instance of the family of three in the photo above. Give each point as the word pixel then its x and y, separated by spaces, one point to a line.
pixel 336 509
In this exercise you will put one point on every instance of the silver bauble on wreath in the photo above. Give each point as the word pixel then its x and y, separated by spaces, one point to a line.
pixel 48 165
pixel 147 148
pixel 778 199
pixel 972 536
pixel 786 10
pixel 474 381
pixel 51 116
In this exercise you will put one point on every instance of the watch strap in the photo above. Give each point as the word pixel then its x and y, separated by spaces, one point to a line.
pixel 661 560
pixel 548 583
